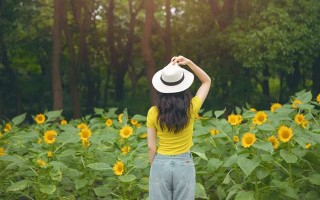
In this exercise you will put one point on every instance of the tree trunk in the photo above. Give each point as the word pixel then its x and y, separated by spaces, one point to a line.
pixel 146 46
pixel 316 76
pixel 168 53
pixel 265 82
pixel 82 17
pixel 113 52
pixel 294 79
pixel 72 72
pixel 55 70
pixel 11 86
pixel 224 15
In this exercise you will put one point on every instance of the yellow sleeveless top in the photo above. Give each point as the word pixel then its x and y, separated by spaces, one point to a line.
pixel 170 143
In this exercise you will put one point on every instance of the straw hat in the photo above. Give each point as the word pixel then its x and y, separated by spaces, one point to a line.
pixel 172 79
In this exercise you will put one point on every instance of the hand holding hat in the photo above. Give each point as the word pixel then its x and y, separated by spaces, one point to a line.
pixel 173 78
pixel 180 60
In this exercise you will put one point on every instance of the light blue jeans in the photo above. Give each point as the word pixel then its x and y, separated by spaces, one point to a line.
pixel 172 177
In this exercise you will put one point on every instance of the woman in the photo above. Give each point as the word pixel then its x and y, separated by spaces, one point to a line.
pixel 172 174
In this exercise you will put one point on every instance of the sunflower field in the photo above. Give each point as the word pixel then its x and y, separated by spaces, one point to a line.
pixel 245 155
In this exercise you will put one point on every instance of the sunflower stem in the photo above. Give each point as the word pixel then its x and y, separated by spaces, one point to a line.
pixel 290 168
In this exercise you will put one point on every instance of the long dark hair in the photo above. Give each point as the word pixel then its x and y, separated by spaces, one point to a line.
pixel 174 109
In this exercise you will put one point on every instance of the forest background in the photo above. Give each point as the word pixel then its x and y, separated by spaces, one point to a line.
pixel 76 55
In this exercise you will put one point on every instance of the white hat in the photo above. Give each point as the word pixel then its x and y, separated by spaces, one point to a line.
pixel 172 79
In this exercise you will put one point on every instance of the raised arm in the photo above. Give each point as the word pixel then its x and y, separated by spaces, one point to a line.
pixel 203 90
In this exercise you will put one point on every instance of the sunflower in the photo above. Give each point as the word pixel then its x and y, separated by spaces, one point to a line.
pixel 50 136
pixel 259 118
pixel 2 151
pixel 274 141
pixel 50 154
pixel 285 133
pixel 7 128
pixel 143 135
pixel 40 118
pixel 126 131
pixel 118 168
pixel 85 134
pixel 120 116
pixel 318 98
pixel 85 143
pixel 134 121
pixel 82 126
pixel 248 139
pixel 138 125
pixel 234 119
pixel 109 122
pixel 295 103
pixel 235 138
pixel 304 123
pixel 214 132
pixel 308 145
pixel 275 106
pixel 125 149
pixel 41 163
pixel 63 122
pixel 253 110
pixel 40 141
pixel 299 118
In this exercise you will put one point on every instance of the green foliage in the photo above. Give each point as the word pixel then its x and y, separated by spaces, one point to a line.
pixel 225 169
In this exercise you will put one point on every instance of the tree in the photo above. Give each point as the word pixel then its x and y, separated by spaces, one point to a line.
pixel 55 70
pixel 146 45
pixel 72 71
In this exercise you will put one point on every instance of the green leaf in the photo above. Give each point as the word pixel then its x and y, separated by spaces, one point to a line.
pixel 242 195
pixel 207 114
pixel 98 111
pixel 127 178
pixel 314 179
pixel 285 189
pixel 226 179
pixel 248 165
pixel 230 161
pixel 306 97
pixel 288 157
pixel 317 130
pixel 68 137
pixel 53 115
pixel 200 191
pixel 265 145
pixel 102 191
pixel 311 195
pixel 100 166
pixel 218 113
pixel 19 119
pixel 69 129
pixel 233 190
pixel 20 185
pixel 141 163
pixel 266 127
pixel 56 174
pixel 67 153
pixel 306 106
pixel 200 152
pixel 80 183
pixel 139 118
pixel 214 164
pixel 48 189
pixel 261 173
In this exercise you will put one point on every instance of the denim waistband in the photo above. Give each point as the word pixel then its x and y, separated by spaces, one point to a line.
pixel 183 155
